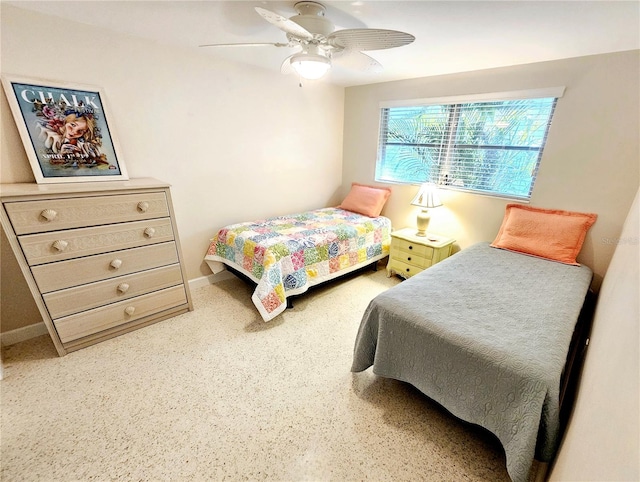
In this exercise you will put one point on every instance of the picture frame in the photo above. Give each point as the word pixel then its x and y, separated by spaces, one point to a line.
pixel 65 130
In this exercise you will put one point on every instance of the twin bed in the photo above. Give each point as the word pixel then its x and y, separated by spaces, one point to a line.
pixel 286 255
pixel 486 333
pixel 490 332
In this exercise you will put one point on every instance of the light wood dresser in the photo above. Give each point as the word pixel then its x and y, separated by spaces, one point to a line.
pixel 100 258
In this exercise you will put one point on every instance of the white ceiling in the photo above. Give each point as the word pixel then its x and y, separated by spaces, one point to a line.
pixel 451 36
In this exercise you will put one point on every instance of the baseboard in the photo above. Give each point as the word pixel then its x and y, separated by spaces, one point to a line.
pixel 21 334
pixel 37 329
pixel 210 279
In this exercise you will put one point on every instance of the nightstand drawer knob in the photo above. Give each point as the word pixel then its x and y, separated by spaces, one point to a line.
pixel 409 258
pixel 60 245
pixel 149 232
pixel 49 214
pixel 116 263
pixel 408 269
pixel 143 206
pixel 123 287
pixel 130 310
pixel 410 247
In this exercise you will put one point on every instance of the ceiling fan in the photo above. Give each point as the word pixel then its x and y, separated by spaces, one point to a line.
pixel 319 44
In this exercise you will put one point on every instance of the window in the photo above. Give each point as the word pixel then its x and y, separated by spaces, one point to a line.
pixel 490 144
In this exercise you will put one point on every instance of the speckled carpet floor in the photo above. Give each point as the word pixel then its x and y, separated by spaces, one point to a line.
pixel 217 394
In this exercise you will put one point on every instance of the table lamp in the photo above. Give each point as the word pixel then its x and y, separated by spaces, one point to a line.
pixel 426 198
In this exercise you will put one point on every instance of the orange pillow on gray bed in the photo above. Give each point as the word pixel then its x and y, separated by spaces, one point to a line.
pixel 547 233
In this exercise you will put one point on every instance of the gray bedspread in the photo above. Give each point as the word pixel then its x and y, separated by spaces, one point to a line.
pixel 485 333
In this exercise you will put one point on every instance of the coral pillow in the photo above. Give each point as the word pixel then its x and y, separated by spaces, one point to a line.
pixel 366 200
pixel 546 233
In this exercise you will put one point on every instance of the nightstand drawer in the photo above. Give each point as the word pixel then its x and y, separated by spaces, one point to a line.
pixel 56 214
pixel 404 269
pixel 74 272
pixel 81 298
pixel 412 247
pixel 74 243
pixel 99 319
pixel 412 258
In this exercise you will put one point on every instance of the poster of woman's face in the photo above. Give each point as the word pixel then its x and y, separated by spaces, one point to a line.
pixel 64 130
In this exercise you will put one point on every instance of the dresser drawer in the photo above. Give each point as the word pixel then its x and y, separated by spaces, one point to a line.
pixel 65 274
pixel 74 243
pixel 93 321
pixel 56 214
pixel 85 297
pixel 411 247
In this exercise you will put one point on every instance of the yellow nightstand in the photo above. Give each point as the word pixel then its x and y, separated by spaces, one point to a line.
pixel 411 254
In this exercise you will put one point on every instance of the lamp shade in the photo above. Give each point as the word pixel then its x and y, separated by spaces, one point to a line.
pixel 427 197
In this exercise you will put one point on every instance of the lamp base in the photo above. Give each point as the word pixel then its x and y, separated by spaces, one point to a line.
pixel 422 221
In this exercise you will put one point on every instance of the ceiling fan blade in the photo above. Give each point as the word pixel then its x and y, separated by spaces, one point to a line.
pixel 284 24
pixel 357 60
pixel 250 44
pixel 369 39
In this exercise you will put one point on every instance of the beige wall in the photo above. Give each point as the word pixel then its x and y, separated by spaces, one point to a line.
pixel 218 130
pixel 235 142
pixel 590 163
pixel 601 442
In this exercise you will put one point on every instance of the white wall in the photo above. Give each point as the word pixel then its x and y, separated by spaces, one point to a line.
pixel 602 440
pixel 235 142
pixel 590 163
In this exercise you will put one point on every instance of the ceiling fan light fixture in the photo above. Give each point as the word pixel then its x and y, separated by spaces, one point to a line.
pixel 310 66
pixel 320 44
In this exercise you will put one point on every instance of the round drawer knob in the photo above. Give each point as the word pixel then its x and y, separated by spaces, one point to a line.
pixel 116 263
pixel 149 232
pixel 410 247
pixel 60 245
pixel 123 287
pixel 409 258
pixel 130 310
pixel 408 270
pixel 49 214
pixel 143 206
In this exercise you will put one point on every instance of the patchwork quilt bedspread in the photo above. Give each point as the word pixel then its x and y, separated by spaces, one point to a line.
pixel 286 255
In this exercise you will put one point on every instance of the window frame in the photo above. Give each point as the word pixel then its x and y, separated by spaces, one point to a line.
pixel 449 143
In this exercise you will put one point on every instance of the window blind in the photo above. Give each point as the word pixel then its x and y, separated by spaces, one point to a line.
pixel 490 147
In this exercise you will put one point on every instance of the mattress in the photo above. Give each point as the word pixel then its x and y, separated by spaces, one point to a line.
pixel 485 333
pixel 286 255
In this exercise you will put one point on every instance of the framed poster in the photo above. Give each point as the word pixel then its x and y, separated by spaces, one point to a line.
pixel 65 131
